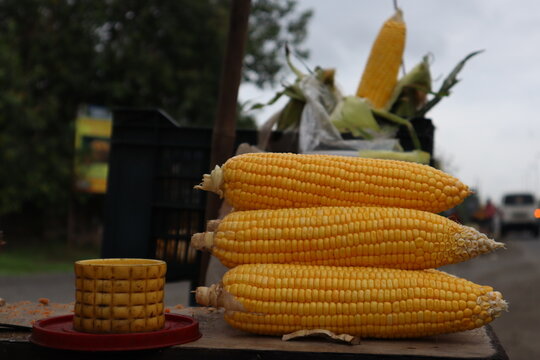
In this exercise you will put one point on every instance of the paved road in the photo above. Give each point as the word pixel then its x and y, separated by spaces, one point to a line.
pixel 515 272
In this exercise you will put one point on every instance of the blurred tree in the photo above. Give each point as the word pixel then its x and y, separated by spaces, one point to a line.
pixel 169 53
pixel 58 54
pixel 46 54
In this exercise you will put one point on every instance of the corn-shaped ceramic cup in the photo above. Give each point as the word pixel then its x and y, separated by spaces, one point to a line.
pixel 119 295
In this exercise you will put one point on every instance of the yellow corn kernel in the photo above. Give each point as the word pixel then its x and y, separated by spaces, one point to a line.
pixel 353 236
pixel 402 311
pixel 381 71
pixel 278 180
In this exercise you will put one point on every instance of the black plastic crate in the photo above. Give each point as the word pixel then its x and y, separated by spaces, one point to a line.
pixel 425 130
pixel 151 207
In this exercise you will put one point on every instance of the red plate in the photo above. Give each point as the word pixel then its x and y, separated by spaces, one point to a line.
pixel 57 332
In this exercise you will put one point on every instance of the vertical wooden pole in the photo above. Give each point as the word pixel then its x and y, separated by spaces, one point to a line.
pixel 225 123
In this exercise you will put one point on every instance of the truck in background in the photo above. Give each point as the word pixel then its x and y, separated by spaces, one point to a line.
pixel 517 212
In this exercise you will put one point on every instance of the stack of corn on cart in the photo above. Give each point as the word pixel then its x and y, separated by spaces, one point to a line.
pixel 343 244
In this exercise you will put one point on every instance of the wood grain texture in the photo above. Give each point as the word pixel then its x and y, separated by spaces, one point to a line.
pixel 217 334
pixel 220 341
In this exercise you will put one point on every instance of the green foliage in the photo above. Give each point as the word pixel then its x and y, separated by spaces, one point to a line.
pixel 43 80
pixel 163 54
pixel 273 24
pixel 45 257
pixel 58 54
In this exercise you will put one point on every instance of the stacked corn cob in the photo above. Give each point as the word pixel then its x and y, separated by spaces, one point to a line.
pixel 342 244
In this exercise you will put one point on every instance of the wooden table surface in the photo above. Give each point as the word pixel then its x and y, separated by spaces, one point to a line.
pixel 220 341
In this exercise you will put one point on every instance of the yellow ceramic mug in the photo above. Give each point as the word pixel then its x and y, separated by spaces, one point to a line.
pixel 119 295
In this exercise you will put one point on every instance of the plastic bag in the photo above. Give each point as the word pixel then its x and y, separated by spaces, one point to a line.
pixel 318 134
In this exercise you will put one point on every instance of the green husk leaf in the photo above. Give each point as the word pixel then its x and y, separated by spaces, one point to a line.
pixel 417 156
pixel 293 91
pixel 291 114
pixel 447 84
pixel 294 69
pixel 270 102
pixel 353 114
pixel 411 91
pixel 400 121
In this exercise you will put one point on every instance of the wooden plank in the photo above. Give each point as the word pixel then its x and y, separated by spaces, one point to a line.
pixel 220 341
pixel 25 313
pixel 217 334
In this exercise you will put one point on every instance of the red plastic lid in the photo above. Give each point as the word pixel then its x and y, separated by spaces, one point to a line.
pixel 57 332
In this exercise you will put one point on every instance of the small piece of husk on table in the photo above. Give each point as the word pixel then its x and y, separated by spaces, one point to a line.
pixel 328 335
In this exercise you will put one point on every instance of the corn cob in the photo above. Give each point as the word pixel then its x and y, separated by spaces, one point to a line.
pixel 381 71
pixel 277 180
pixel 355 236
pixel 119 295
pixel 276 299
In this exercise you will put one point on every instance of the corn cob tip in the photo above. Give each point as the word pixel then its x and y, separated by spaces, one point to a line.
pixel 212 225
pixel 493 302
pixel 203 241
pixel 205 296
pixel 472 243
pixel 398 16
pixel 216 296
pixel 212 182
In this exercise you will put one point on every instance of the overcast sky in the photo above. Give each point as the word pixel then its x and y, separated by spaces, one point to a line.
pixel 487 130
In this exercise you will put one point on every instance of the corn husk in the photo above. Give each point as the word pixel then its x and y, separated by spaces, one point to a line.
pixel 353 114
pixel 289 117
pixel 447 84
pixel 417 156
pixel 411 91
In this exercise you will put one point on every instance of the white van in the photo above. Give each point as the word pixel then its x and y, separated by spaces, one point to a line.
pixel 517 213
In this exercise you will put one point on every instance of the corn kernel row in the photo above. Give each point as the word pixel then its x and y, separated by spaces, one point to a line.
pixel 354 236
pixel 277 180
pixel 275 299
